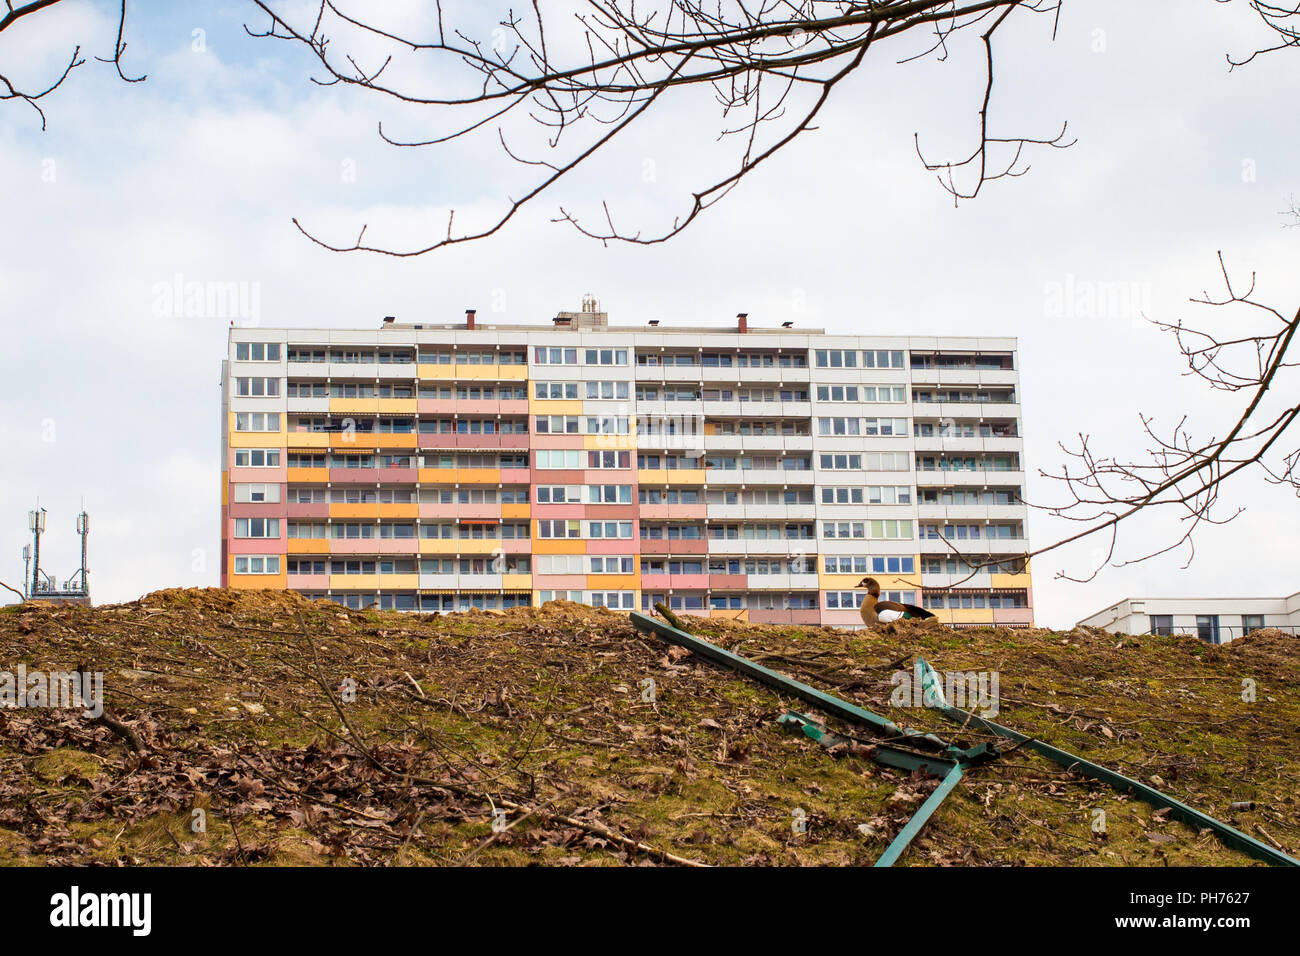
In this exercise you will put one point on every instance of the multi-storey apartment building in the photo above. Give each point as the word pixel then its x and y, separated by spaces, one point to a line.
pixel 752 473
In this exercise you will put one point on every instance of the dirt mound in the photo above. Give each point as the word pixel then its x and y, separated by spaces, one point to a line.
pixel 280 730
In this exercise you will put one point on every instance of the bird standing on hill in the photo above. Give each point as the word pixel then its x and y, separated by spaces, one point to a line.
pixel 876 611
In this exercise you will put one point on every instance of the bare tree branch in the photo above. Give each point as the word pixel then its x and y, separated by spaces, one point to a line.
pixel 770 67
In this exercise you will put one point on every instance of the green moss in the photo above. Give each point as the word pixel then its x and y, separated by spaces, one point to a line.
pixel 67 762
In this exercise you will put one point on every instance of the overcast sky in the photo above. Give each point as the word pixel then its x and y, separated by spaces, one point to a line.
pixel 197 172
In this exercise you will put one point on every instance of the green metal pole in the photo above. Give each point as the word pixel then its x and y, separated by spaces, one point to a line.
pixel 923 812
pixel 832 705
pixel 1192 817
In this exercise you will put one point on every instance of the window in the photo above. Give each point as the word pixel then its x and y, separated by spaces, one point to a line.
pixel 836 358
pixel 607 390
pixel 245 492
pixel 862 564
pixel 257 422
pixel 1207 628
pixel 883 393
pixel 606 356
pixel 841 462
pixel 559 528
pixel 308 529
pixel 557 390
pixel 900 565
pixel 559 458
pixel 558 494
pixel 351 530
pixel 257 457
pixel 882 359
pixel 1162 624
pixel 609 564
pixel 609 529
pixel 1251 622
pixel 262 352
pixel 257 387
pixel 609 494
pixel 609 459
pixel 887 528
pixel 884 426
pixel 257 564
pixel 352 566
pixel 561 563
pixel 257 527
pixel 554 356
pixel 889 495
pixel 838 426
pixel 556 425
pixel 612 425
pixel 841 496
pixel 837 393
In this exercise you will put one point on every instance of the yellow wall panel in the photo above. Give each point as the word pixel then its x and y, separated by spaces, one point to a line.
pixel 354 582
pixel 308 546
pixel 253 582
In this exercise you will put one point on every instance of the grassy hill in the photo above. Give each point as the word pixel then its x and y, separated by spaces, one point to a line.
pixel 239 702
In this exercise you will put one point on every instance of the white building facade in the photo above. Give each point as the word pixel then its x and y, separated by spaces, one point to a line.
pixel 750 473
pixel 1213 620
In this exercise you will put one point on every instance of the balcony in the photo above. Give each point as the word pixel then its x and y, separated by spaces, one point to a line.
pixel 308 406
pixel 308 582
pixel 663 512
pixel 777 616
pixel 766 477
pixel 692 443
pixel 968 446
pixel 358 370
pixel 762 547
pixel 662 477
pixel 965 411
pixel 728 582
pixel 354 476
pixel 971 512
pixel 974 548
pixel 964 376
pixel 673 546
pixel 437 371
pixel 981 579
pixel 964 478
pixel 674 582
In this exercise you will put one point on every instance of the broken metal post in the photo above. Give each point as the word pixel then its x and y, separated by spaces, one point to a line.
pixel 1189 815
pixel 923 812
pixel 832 705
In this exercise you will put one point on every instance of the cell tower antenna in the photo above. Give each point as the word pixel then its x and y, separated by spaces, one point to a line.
pixel 39 585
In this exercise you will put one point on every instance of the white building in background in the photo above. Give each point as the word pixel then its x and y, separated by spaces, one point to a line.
pixel 1214 620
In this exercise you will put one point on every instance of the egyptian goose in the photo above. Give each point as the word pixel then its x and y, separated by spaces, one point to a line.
pixel 876 611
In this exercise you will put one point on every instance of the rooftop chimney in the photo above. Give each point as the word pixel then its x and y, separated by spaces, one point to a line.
pixel 742 322
pixel 389 319
pixel 469 318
